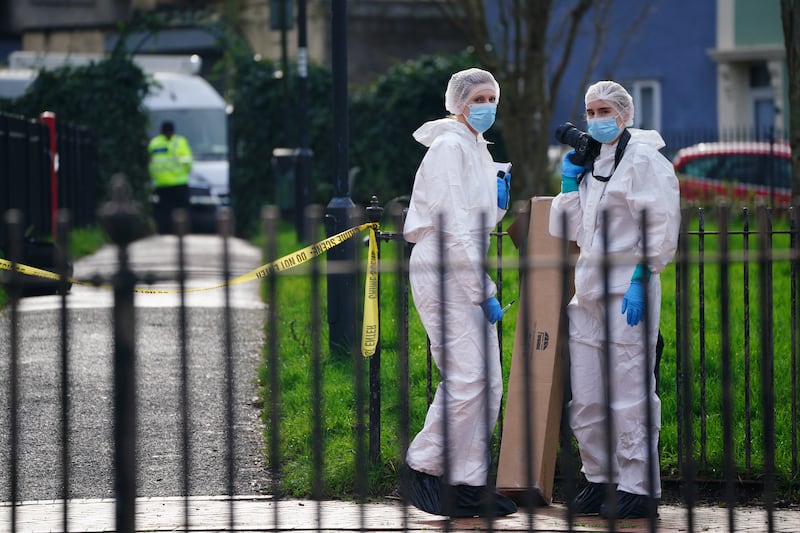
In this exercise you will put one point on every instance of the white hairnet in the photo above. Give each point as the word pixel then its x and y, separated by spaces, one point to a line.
pixel 614 94
pixel 463 85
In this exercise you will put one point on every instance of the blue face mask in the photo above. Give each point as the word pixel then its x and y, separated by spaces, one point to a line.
pixel 481 116
pixel 604 129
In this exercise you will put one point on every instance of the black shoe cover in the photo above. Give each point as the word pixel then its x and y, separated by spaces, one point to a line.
pixel 426 492
pixel 630 506
pixel 478 501
pixel 429 494
pixel 590 499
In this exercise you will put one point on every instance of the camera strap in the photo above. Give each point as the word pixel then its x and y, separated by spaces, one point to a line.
pixel 623 142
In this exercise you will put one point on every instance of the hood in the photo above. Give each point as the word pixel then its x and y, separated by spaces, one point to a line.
pixel 651 137
pixel 211 174
pixel 428 132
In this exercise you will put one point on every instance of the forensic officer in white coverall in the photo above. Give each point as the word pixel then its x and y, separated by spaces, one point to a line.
pixel 628 176
pixel 458 196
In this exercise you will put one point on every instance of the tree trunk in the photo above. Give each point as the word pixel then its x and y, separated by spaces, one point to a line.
pixel 518 58
pixel 790 15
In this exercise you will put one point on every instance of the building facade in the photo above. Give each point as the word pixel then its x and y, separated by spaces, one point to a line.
pixel 751 71
pixel 380 32
pixel 697 70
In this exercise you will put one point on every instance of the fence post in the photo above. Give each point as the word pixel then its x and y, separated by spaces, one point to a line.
pixel 122 222
pixel 48 118
pixel 374 214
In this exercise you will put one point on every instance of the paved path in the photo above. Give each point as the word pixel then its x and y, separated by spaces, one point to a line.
pixel 158 378
pixel 257 513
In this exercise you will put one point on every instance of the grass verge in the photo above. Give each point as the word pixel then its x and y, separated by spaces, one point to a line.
pixel 339 469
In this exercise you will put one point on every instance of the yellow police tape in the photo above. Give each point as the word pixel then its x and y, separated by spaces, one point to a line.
pixel 370 329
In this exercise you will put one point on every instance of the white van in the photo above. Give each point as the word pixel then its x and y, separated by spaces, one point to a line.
pixel 179 95
pixel 199 114
pixel 14 82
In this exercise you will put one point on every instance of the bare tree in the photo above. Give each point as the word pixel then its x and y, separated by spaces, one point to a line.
pixel 790 15
pixel 521 58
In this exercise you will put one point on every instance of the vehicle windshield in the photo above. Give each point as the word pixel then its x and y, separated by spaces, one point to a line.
pixel 205 129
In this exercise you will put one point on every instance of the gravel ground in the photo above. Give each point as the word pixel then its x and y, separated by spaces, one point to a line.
pixel 160 454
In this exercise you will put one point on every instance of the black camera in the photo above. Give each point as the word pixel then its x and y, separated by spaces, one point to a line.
pixel 586 148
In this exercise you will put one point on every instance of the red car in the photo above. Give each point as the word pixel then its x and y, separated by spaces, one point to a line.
pixel 740 171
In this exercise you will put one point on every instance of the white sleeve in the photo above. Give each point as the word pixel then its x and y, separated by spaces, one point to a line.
pixel 449 175
pixel 569 205
pixel 659 196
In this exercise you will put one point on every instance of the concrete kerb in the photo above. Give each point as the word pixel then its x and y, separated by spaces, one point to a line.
pixel 263 513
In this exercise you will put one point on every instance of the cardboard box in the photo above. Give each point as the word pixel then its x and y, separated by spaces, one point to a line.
pixel 542 304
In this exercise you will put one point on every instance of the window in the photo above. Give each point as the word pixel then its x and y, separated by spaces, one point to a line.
pixel 705 167
pixel 647 103
pixel 204 129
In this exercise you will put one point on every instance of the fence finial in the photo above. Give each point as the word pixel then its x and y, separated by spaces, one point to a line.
pixel 122 220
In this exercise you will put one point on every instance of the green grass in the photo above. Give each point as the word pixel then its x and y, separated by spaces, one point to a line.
pixel 709 410
pixel 339 415
pixel 86 241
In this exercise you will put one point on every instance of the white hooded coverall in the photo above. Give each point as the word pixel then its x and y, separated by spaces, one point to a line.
pixel 456 179
pixel 644 180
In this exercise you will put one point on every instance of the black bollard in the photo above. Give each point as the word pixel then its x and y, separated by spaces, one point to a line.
pixel 340 214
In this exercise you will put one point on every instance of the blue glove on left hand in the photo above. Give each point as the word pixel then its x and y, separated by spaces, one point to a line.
pixel 570 169
pixel 633 302
pixel 569 173
pixel 492 310
pixel 503 190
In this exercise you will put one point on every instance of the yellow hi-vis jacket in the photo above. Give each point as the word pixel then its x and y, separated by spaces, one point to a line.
pixel 170 160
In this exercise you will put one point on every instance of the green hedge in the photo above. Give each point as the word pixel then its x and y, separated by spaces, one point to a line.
pixel 383 115
pixel 264 118
pixel 107 97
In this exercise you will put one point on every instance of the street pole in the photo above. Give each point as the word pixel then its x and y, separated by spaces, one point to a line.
pixel 284 69
pixel 340 211
pixel 304 153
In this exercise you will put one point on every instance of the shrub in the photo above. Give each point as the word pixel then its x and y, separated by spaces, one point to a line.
pixel 106 97
pixel 385 115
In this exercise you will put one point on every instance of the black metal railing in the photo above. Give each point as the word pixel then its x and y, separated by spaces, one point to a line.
pixel 29 171
pixel 720 381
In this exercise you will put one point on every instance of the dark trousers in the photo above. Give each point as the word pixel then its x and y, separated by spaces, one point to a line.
pixel 170 198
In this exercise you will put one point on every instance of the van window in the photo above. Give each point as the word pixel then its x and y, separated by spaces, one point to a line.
pixel 205 129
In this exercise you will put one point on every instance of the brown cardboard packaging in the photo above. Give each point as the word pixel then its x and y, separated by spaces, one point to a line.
pixel 542 305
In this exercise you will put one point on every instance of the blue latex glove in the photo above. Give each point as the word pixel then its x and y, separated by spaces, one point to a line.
pixel 503 190
pixel 633 302
pixel 492 310
pixel 569 173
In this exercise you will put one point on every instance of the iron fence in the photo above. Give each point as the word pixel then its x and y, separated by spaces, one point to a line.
pixel 43 171
pixel 709 344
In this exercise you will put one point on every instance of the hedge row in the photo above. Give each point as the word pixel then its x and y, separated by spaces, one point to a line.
pixel 107 96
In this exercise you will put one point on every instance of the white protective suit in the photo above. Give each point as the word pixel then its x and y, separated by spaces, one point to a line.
pixel 456 179
pixel 644 180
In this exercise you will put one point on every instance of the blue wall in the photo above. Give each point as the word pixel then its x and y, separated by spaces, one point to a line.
pixel 670 45
pixel 8 45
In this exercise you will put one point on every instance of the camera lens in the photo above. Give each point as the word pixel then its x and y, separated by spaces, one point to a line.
pixel 567 133
pixel 586 148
